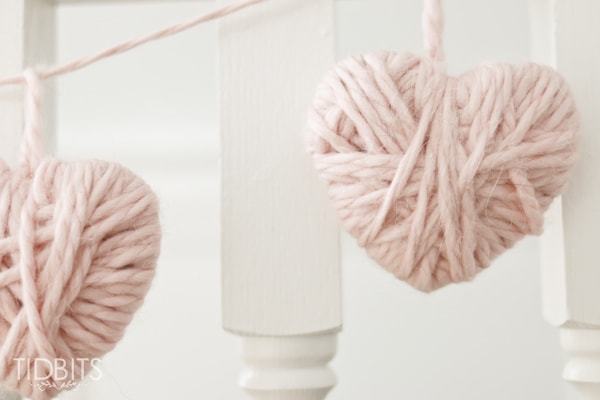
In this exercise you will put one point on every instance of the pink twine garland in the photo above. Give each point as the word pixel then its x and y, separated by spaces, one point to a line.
pixel 436 175
pixel 123 47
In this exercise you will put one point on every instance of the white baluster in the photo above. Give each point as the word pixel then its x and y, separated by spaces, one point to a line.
pixel 293 367
pixel 281 278
pixel 26 37
pixel 582 347
pixel 566 34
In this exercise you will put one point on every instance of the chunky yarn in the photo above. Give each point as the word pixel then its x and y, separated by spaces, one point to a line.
pixel 436 175
pixel 78 244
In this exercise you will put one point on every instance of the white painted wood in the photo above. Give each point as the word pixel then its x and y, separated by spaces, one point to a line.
pixel 26 38
pixel 582 348
pixel 567 35
pixel 279 236
pixel 543 50
pixel 288 367
pixel 280 256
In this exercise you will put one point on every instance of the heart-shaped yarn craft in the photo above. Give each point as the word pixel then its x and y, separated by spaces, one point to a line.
pixel 78 243
pixel 436 175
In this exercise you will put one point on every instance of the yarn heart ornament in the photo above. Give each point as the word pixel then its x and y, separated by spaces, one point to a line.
pixel 78 244
pixel 436 175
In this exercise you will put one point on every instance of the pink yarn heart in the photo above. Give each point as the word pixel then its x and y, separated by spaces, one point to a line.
pixel 436 175
pixel 78 243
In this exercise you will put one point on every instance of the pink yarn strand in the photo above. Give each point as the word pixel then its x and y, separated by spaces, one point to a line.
pixel 433 29
pixel 432 19
pixel 32 147
pixel 123 47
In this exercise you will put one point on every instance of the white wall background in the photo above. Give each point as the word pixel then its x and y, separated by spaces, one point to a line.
pixel 155 110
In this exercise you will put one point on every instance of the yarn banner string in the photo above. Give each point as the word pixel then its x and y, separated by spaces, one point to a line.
pixel 82 62
pixel 436 175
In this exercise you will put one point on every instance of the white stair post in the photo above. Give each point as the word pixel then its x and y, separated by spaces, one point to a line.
pixel 26 38
pixel 566 34
pixel 280 258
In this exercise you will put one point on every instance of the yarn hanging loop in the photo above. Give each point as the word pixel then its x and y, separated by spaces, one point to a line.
pixel 32 145
pixel 433 29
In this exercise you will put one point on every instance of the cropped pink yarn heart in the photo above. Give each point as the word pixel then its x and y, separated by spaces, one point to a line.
pixel 78 244
pixel 436 175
